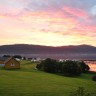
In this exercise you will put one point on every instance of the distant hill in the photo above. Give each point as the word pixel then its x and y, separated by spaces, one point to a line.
pixel 37 49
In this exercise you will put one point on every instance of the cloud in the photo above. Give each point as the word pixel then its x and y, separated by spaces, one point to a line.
pixel 50 22
pixel 93 10
pixel 42 5
pixel 75 12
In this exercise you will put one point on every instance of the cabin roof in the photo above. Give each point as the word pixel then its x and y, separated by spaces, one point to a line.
pixel 7 59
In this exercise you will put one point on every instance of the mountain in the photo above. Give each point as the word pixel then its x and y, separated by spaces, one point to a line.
pixel 80 50
pixel 37 49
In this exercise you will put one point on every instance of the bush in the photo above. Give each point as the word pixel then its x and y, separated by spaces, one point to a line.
pixel 81 92
pixel 71 68
pixel 48 65
pixel 94 78
pixel 78 92
pixel 85 68
pixel 38 66
pixel 60 67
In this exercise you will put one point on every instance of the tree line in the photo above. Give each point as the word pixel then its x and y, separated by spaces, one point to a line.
pixel 67 67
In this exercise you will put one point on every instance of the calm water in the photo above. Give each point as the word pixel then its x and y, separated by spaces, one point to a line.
pixel 92 65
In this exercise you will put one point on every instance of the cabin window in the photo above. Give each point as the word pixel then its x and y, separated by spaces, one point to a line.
pixel 12 64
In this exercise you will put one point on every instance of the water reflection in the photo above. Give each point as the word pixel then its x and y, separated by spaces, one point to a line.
pixel 92 65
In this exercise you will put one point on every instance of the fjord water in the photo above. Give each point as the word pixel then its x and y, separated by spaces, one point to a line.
pixel 90 58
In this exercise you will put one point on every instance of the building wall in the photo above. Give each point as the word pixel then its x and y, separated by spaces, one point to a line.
pixel 12 64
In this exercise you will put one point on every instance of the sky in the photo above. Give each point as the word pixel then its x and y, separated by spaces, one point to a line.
pixel 48 22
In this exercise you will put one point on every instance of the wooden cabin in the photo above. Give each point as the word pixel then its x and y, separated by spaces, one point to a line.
pixel 9 63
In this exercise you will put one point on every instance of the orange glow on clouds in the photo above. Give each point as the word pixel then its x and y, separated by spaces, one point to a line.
pixel 68 26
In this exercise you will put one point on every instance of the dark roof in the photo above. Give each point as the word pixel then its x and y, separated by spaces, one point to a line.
pixel 8 59
pixel 3 58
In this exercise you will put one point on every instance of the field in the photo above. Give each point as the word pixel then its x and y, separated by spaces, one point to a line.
pixel 28 81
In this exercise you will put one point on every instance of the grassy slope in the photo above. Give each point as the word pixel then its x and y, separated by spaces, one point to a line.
pixel 29 82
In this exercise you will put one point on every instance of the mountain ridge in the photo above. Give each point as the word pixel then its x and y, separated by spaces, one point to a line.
pixel 40 49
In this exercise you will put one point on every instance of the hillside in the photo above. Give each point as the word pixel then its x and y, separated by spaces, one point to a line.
pixel 77 52
pixel 30 82
pixel 37 49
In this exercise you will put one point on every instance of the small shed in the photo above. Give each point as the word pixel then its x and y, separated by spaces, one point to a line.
pixel 9 63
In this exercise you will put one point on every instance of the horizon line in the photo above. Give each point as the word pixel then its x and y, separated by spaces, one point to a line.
pixel 46 45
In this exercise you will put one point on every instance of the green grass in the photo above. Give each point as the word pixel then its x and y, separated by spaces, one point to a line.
pixel 30 82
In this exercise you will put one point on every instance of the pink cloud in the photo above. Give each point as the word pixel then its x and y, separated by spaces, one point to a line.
pixel 9 12
pixel 75 12
pixel 84 30
pixel 50 22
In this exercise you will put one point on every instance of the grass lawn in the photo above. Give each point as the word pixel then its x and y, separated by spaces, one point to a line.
pixel 30 82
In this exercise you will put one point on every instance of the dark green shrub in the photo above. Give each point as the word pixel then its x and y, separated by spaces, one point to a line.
pixel 81 92
pixel 71 68
pixel 94 78
pixel 60 67
pixel 38 66
pixel 85 68
pixel 48 65
pixel 68 68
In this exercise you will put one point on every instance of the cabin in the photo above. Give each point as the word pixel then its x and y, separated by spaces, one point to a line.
pixel 9 63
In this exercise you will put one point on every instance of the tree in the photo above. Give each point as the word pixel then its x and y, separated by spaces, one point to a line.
pixel 71 68
pixel 39 66
pixel 60 66
pixel 17 56
pixel 24 58
pixel 48 65
pixel 85 68
pixel 6 55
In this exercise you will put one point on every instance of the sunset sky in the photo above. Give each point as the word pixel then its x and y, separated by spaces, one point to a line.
pixel 48 22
